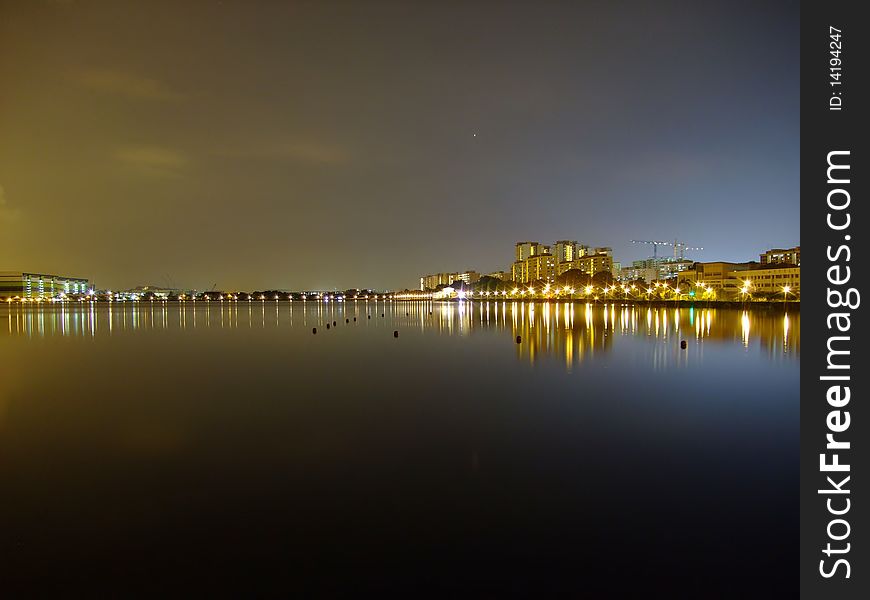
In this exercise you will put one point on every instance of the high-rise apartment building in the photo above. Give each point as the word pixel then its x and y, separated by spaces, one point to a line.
pixel 567 251
pixel 526 249
pixel 539 267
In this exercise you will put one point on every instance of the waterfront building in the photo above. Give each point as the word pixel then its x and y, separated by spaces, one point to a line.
pixel 719 276
pixel 778 256
pixel 730 280
pixel 430 282
pixel 772 279
pixel 39 285
pixel 734 280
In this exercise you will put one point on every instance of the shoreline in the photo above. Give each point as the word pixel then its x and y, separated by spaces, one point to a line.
pixel 736 304
pixel 767 305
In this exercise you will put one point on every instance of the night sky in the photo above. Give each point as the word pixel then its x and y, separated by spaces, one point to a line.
pixel 319 145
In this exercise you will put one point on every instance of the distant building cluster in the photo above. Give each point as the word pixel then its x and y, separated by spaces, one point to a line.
pixel 538 262
pixel 534 261
pixel 776 272
pixel 440 280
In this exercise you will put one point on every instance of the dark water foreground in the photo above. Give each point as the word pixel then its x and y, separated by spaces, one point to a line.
pixel 226 448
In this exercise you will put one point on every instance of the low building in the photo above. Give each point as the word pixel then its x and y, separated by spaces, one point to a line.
pixel 149 291
pixel 718 276
pixel 40 285
pixel 729 280
pixel 773 279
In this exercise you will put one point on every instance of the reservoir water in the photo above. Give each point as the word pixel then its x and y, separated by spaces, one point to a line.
pixel 225 446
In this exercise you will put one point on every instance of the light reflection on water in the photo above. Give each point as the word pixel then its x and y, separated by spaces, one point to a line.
pixel 183 436
pixel 573 331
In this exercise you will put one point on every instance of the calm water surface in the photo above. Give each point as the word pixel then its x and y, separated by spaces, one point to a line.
pixel 225 446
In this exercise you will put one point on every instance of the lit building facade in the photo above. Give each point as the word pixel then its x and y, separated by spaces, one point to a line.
pixel 568 251
pixel 784 278
pixel 720 277
pixel 778 256
pixel 525 250
pixel 468 277
pixel 537 267
pixel 39 285
pixel 729 280
pixel 670 268
pixel 662 268
pixel 635 273
pixel 430 282
pixel 600 260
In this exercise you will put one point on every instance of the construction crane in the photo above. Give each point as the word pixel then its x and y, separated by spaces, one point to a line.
pixel 655 246
pixel 679 247
pixel 682 247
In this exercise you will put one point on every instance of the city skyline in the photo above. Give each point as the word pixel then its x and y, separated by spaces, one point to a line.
pixel 535 262
pixel 200 143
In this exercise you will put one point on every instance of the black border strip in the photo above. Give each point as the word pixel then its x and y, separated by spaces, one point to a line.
pixel 826 128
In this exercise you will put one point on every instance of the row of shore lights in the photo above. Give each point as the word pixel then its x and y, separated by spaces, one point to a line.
pixel 589 290
pixel 547 290
pixel 184 298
